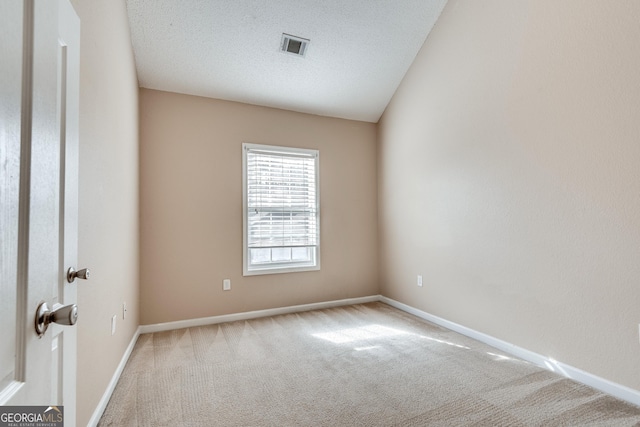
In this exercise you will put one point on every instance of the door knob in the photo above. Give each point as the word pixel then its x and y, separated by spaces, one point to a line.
pixel 80 274
pixel 64 315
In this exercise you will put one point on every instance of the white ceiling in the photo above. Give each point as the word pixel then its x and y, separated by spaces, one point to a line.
pixel 359 50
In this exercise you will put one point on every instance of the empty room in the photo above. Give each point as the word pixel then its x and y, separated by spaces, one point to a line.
pixel 321 213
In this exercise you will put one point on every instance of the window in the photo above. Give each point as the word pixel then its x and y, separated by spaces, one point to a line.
pixel 281 205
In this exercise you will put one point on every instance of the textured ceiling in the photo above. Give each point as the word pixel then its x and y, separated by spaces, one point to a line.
pixel 359 50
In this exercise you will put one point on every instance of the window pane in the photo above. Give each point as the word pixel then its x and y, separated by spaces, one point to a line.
pixel 260 255
pixel 300 254
pixel 281 198
pixel 281 254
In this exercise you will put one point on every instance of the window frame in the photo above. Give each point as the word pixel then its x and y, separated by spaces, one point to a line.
pixel 282 267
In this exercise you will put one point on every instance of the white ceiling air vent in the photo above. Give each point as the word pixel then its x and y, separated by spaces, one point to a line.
pixel 293 45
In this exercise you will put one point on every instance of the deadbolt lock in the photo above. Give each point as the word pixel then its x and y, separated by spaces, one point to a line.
pixel 80 274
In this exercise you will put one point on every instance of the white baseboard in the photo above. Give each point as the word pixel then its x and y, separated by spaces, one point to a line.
pixel 617 390
pixel 180 324
pixel 102 404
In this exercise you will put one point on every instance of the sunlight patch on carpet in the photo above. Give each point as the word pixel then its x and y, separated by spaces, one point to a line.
pixel 446 342
pixel 368 332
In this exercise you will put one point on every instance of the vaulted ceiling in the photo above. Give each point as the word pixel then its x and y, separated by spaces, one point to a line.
pixel 358 51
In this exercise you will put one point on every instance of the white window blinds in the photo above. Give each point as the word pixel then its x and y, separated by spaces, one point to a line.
pixel 281 207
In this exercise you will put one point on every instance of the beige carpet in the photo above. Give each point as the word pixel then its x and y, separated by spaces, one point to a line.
pixel 361 365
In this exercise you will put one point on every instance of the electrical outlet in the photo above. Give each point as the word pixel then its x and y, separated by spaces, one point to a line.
pixel 113 324
pixel 226 285
pixel 124 310
pixel 420 280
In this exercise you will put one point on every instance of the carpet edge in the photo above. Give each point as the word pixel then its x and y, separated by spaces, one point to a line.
pixel 106 396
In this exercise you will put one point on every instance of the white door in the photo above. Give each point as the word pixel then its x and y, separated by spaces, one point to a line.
pixel 39 93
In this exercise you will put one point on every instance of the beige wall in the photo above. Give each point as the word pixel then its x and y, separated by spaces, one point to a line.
pixel 191 205
pixel 509 177
pixel 108 222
